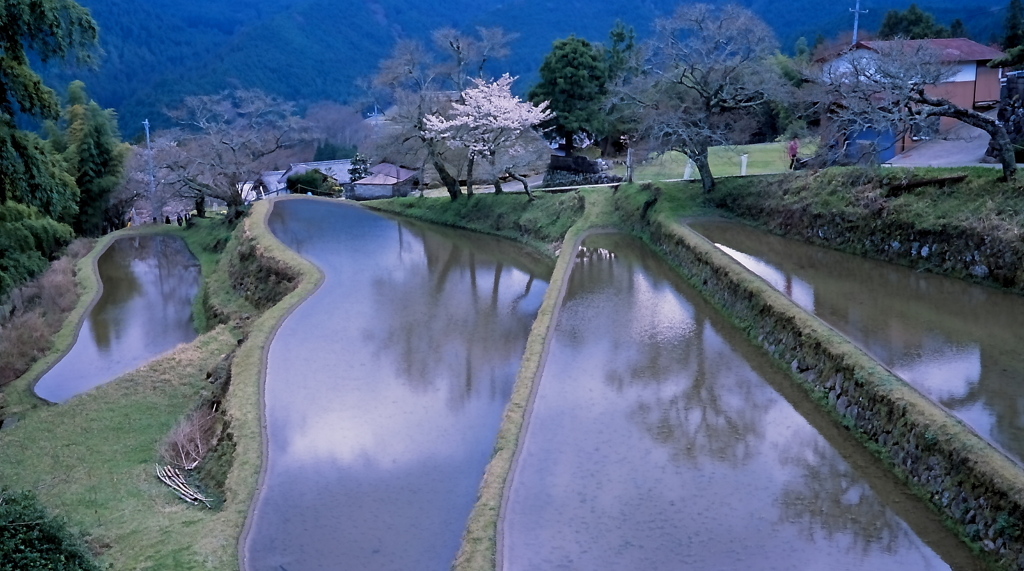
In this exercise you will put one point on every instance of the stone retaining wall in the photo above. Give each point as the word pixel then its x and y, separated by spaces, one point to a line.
pixel 977 489
pixel 990 256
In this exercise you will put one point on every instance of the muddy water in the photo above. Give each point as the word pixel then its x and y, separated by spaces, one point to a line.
pixel 958 343
pixel 385 389
pixel 145 309
pixel 661 439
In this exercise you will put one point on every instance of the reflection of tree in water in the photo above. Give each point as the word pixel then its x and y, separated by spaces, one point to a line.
pixel 448 316
pixel 711 415
pixel 161 268
pixel 696 397
pixel 828 497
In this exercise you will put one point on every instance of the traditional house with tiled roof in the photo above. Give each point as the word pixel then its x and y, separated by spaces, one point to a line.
pixel 386 181
pixel 974 85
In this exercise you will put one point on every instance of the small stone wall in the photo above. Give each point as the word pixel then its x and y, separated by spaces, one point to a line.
pixel 559 178
pixel 261 279
pixel 978 490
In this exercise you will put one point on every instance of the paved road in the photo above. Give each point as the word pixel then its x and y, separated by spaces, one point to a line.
pixel 961 146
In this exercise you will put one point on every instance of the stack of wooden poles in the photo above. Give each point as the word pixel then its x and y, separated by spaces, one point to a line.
pixel 173 478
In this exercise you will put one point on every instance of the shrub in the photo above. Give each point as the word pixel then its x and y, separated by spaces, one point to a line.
pixel 312 181
pixel 190 439
pixel 30 538
pixel 31 314
pixel 28 240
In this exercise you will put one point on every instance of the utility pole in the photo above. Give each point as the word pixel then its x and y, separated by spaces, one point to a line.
pixel 856 20
pixel 151 174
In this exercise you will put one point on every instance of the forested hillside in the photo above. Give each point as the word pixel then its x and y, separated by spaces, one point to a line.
pixel 158 51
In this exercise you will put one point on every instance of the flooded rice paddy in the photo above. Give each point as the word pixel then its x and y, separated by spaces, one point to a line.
pixel 384 390
pixel 660 438
pixel 145 309
pixel 956 342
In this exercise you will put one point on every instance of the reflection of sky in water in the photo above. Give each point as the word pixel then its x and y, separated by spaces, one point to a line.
pixel 384 390
pixel 798 290
pixel 653 444
pixel 940 370
pixel 144 310
pixel 346 428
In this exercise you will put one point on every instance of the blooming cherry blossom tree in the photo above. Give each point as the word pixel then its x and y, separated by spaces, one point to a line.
pixel 489 122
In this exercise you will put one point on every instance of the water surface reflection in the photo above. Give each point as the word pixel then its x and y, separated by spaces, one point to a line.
pixel 658 440
pixel 385 389
pixel 145 309
pixel 957 342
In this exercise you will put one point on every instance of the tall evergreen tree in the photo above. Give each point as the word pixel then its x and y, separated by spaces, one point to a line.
pixel 621 45
pixel 573 79
pixel 93 154
pixel 912 24
pixel 1014 25
pixel 957 29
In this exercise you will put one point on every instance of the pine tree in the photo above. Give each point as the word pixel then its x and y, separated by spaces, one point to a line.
pixel 573 80
pixel 360 168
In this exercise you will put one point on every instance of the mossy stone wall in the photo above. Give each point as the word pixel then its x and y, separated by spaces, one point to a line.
pixel 976 488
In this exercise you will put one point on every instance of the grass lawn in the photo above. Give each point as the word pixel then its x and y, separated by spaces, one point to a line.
pixel 765 158
pixel 92 459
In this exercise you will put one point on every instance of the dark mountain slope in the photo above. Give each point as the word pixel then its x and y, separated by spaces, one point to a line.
pixel 161 50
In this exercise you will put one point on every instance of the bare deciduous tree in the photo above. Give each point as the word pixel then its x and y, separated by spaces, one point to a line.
pixel 411 80
pixel 338 123
pixel 706 67
pixel 467 55
pixel 894 87
pixel 225 140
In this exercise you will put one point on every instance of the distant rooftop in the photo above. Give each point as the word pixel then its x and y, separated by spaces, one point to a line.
pixel 338 170
pixel 951 49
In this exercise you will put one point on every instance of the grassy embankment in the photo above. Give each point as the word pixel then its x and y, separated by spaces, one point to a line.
pixel 34 312
pixel 540 224
pixel 91 460
pixel 764 158
pixel 972 228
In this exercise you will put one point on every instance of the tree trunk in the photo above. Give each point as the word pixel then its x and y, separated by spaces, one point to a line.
pixel 234 210
pixel 497 178
pixel 454 190
pixel 526 185
pixel 939 107
pixel 569 146
pixel 469 175
pixel 700 159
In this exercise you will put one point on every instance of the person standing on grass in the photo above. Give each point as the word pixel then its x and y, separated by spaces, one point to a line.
pixel 793 148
